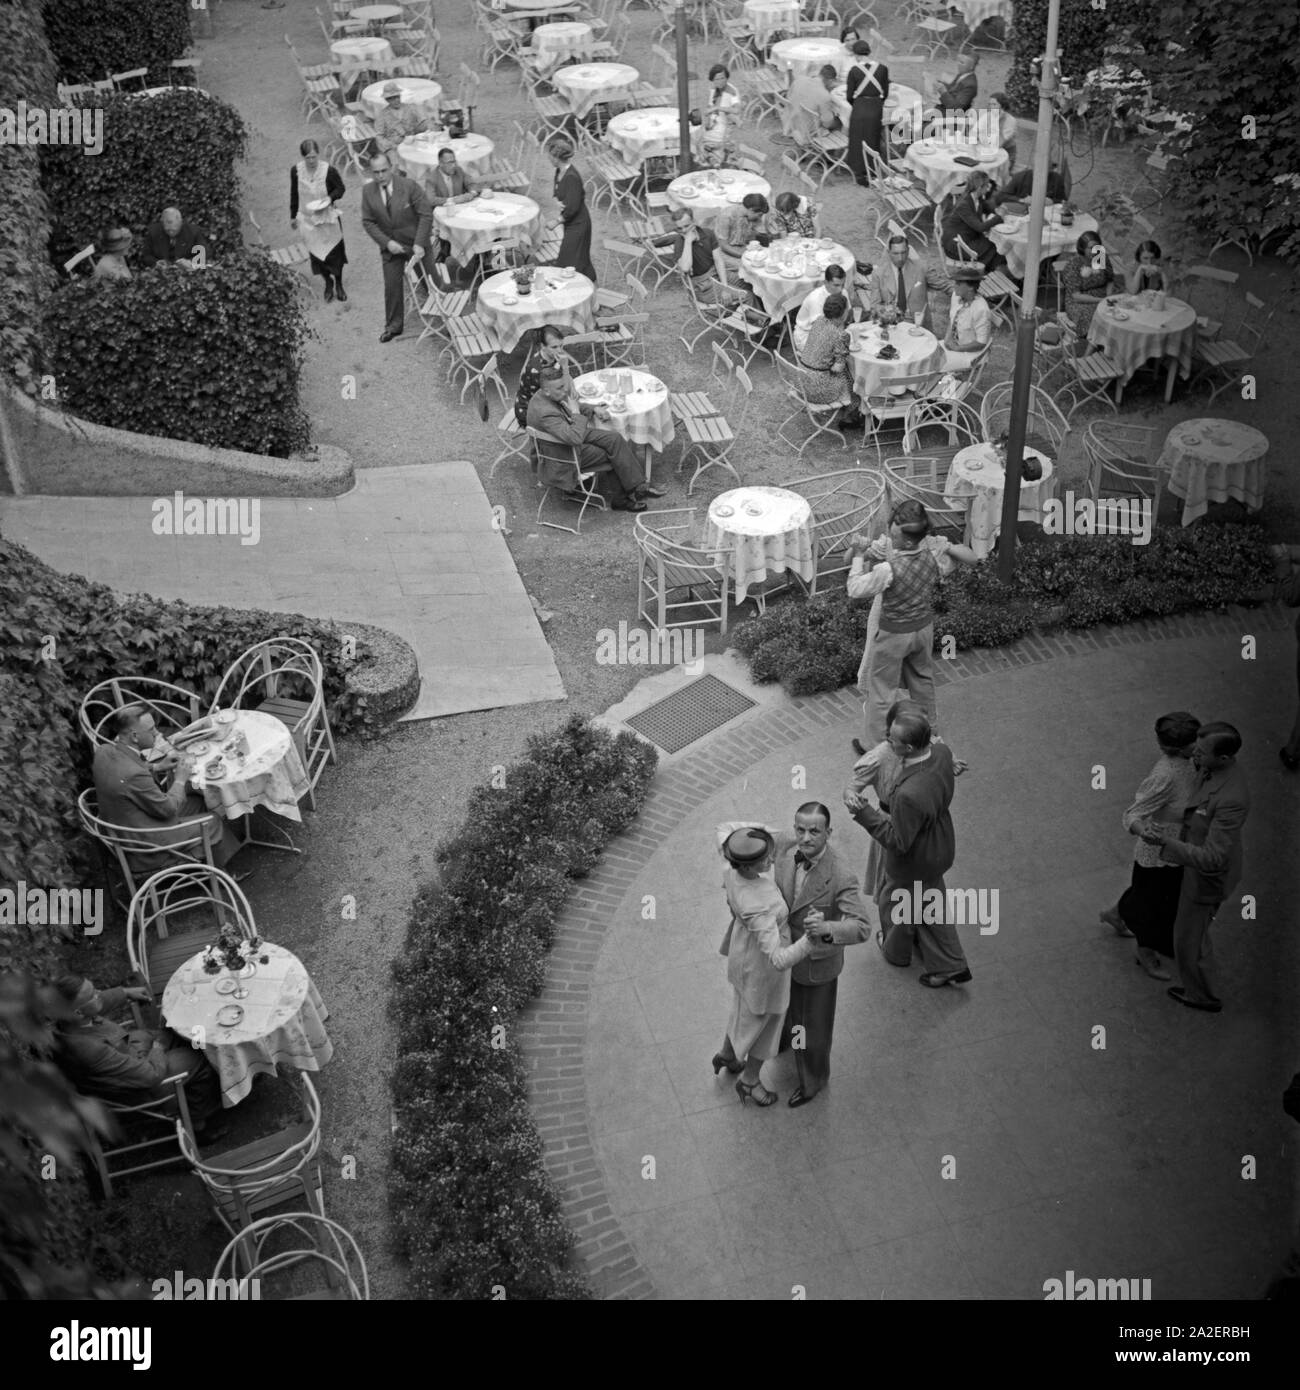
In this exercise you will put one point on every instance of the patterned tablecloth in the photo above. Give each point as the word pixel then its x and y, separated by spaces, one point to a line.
pixel 918 351
pixel 1145 332
pixel 472 228
pixel 806 57
pixel 977 479
pixel 752 530
pixel 780 293
pixel 649 132
pixel 1011 236
pixel 1212 461
pixel 270 774
pixel 712 194
pixel 646 419
pixel 592 83
pixel 559 39
pixel 765 16
pixel 420 92
pixel 419 155
pixel 362 52
pixel 283 1020
pixel 936 163
pixel 975 12
pixel 564 300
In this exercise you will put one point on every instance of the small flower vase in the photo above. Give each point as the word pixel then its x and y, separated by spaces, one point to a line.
pixel 524 281
pixel 241 973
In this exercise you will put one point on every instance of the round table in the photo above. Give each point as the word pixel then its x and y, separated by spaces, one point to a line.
pixel 361 52
pixel 558 298
pixel 648 132
pixel 919 351
pixel 283 1019
pixel 592 83
pixel 980 488
pixel 1011 236
pixel 779 293
pixel 270 774
pixel 418 154
pixel 714 193
pixel 752 530
pixel 416 91
pixel 375 15
pixel 766 16
pixel 645 420
pixel 1145 332
pixel 807 57
pixel 472 228
pixel 1214 460
pixel 935 161
pixel 556 40
pixel 975 12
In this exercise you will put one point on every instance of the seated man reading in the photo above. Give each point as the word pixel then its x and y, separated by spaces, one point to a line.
pixel 171 240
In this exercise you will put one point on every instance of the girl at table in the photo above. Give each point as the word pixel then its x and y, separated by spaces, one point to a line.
pixel 545 351
pixel 1148 275
pixel 575 248
pixel 866 87
pixel 717 149
pixel 825 358
pixel 1086 279
pixel 794 216
pixel 313 180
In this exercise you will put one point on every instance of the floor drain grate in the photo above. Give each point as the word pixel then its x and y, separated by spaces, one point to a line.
pixel 689 713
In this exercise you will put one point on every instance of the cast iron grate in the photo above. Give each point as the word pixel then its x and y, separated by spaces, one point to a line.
pixel 689 713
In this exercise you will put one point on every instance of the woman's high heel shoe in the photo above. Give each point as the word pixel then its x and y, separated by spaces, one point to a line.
pixel 747 1092
pixel 732 1064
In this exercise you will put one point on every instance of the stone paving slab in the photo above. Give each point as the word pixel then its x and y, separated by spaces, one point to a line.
pixel 411 549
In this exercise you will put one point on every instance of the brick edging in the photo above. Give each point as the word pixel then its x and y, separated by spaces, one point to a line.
pixel 552 1030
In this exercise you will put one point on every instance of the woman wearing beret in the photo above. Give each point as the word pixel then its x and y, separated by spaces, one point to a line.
pixel 759 960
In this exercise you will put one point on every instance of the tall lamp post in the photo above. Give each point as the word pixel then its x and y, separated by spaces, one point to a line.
pixel 683 89
pixel 1028 325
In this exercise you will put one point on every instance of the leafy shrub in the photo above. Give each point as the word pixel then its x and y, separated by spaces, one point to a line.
pixel 1075 581
pixel 471 1204
pixel 212 356
pixel 178 149
pixel 92 38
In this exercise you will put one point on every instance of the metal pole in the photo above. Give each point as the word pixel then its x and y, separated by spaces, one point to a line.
pixel 1028 326
pixel 684 165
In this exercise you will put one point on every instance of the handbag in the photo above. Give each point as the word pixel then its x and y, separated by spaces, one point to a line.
pixel 725 948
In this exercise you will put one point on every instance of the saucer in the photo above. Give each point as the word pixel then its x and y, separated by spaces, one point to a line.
pixel 754 509
pixel 724 511
pixel 227 984
pixel 1119 315
pixel 510 299
pixel 229 1015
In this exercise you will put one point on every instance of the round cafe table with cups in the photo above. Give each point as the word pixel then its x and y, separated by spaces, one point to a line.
pixel 591 84
pixel 559 39
pixel 474 227
pixel 562 297
pixel 934 160
pixel 789 269
pixel 418 154
pixel 361 52
pixel 420 92
pixel 1214 461
pixel 1011 235
pixel 756 530
pixel 375 15
pixel 250 761
pixel 976 480
pixel 712 194
pixel 1136 328
pixel 638 406
pixel 918 352
pixel 648 132
pixel 267 1016
pixel 767 16
pixel 807 57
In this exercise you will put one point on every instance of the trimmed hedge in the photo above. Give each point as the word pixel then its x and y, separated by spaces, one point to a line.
pixel 213 356
pixel 1069 581
pixel 471 1204
pixel 179 149
pixel 92 38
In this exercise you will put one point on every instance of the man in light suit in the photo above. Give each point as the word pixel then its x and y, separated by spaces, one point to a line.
pixel 904 283
pixel 821 891
pixel 1208 845
pixel 396 216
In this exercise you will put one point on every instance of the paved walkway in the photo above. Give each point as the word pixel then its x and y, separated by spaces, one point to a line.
pixel 411 549
pixel 1122 1162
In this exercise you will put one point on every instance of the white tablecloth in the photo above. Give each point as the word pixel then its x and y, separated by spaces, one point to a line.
pixel 747 546
pixel 1146 333
pixel 283 1019
pixel 649 132
pixel 362 52
pixel 558 39
pixel 1011 236
pixel 419 155
pixel 1212 461
pixel 717 192
pixel 376 14
pixel 646 419
pixel 592 83
pixel 935 163
pixel 975 12
pixel 780 294
pixel 555 299
pixel 918 351
pixel 271 774
pixel 767 15
pixel 981 490
pixel 419 92
pixel 473 227
pixel 807 57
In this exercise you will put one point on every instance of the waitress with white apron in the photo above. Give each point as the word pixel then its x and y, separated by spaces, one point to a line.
pixel 316 185
pixel 866 87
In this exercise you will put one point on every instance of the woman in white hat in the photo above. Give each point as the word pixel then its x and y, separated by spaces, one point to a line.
pixel 112 264
pixel 315 188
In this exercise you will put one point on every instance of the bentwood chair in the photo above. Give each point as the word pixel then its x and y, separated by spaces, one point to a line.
pixel 274 1244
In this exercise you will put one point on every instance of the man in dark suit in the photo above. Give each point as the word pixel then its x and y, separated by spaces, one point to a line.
pixel 904 283
pixel 822 894
pixel 1209 848
pixel 396 216
pixel 970 218
pixel 171 240
pixel 960 93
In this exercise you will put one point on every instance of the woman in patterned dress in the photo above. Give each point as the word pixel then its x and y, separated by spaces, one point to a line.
pixel 827 378
pixel 1087 278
